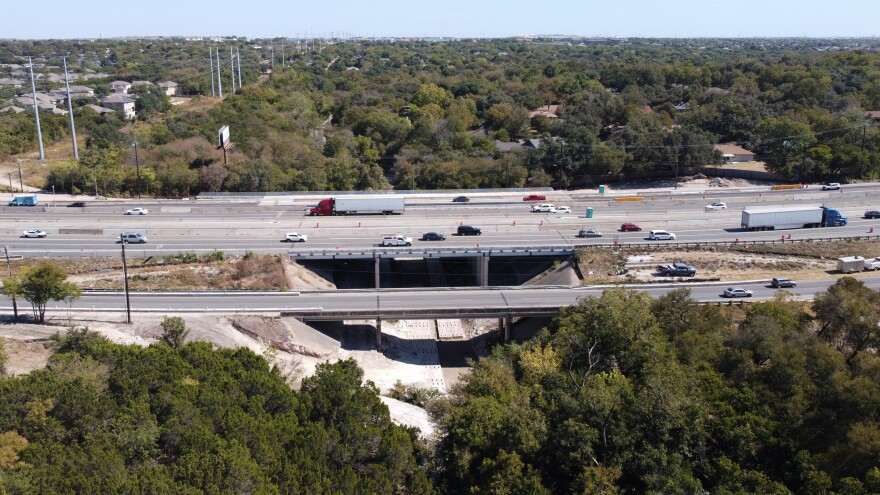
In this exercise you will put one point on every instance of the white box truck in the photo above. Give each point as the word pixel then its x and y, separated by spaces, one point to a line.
pixel 850 264
pixel 791 217
pixel 364 205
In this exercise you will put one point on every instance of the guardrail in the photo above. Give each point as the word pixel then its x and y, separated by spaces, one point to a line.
pixel 430 252
pixel 697 244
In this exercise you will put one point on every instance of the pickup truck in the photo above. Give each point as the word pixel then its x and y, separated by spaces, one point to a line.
pixel 396 240
pixel 872 264
pixel 676 270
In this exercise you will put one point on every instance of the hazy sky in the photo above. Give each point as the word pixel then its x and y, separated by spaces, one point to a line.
pixel 455 18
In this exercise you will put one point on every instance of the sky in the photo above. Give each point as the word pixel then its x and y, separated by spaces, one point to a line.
pixel 442 18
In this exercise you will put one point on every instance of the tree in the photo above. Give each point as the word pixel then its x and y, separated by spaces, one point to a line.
pixel 849 314
pixel 40 284
pixel 174 331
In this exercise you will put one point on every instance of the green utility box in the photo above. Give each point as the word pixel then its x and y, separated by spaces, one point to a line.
pixel 589 212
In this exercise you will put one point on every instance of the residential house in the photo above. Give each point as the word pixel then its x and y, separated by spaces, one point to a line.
pixel 11 83
pixel 169 87
pixel 120 87
pixel 12 109
pixel 714 90
pixel 76 92
pixel 681 107
pixel 100 110
pixel 44 101
pixel 735 154
pixel 135 84
pixel 531 144
pixel 871 114
pixel 120 103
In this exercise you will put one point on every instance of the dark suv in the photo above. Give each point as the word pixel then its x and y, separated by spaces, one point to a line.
pixel 468 230
pixel 872 214
pixel 779 282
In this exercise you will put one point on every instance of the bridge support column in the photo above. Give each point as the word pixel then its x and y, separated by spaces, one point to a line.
pixel 505 326
pixel 378 334
pixel 482 269
pixel 377 263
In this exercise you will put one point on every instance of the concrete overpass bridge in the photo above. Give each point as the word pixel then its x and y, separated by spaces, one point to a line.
pixel 480 256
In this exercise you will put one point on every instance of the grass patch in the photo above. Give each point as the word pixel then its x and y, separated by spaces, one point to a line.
pixel 600 265
pixel 814 249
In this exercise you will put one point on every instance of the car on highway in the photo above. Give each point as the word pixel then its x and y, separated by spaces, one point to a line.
pixel 589 233
pixel 782 282
pixel 134 238
pixel 717 206
pixel 33 233
pixel 136 211
pixel 535 197
pixel 544 208
pixel 661 235
pixel 468 230
pixel 736 292
pixel 295 237
pixel 461 199
pixel 831 186
pixel 630 227
pixel 872 214
pixel 432 236
pixel 563 209
pixel 77 204
pixel 677 269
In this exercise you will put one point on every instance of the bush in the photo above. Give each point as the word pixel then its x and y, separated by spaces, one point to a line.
pixel 174 331
pixel 215 256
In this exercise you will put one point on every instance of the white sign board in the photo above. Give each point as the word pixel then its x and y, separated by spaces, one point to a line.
pixel 223 136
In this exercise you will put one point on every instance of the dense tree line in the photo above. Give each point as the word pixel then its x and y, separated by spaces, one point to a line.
pixel 416 114
pixel 186 419
pixel 626 394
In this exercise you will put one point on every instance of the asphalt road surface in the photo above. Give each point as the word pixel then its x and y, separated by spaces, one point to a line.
pixel 377 300
pixel 259 224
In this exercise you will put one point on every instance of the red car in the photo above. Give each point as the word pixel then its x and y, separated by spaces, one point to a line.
pixel 630 227
pixel 535 197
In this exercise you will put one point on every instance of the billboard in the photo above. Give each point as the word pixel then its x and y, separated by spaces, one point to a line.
pixel 223 137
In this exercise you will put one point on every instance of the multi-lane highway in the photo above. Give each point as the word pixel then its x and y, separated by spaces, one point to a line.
pixel 259 224
pixel 384 304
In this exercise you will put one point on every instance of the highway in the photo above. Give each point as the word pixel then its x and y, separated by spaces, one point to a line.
pixel 259 224
pixel 397 303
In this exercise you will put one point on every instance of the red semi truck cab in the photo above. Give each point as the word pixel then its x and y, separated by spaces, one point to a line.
pixel 325 207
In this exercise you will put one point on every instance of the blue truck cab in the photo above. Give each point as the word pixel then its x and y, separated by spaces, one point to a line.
pixel 24 200
pixel 832 218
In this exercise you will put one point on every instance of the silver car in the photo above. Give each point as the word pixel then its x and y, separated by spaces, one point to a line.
pixel 589 233
pixel 736 292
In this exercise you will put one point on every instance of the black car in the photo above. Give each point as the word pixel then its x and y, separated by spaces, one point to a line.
pixel 872 214
pixel 468 230
pixel 461 199
pixel 433 236
pixel 779 282
pixel 77 204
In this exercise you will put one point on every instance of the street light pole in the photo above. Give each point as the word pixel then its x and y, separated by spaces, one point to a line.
pixel 137 165
pixel 53 195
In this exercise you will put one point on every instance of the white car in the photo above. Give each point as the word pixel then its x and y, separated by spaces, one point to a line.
pixel 661 235
pixel 544 208
pixel 33 233
pixel 563 209
pixel 717 206
pixel 295 237
pixel 831 186
pixel 736 292
pixel 136 211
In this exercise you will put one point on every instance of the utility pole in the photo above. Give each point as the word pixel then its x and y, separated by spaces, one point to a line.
pixel 36 110
pixel 9 274
pixel 211 64
pixel 70 111
pixel 219 82
pixel 282 54
pixel 272 52
pixel 125 281
pixel 20 179
pixel 96 188
pixel 238 55
pixel 232 68
pixel 137 165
